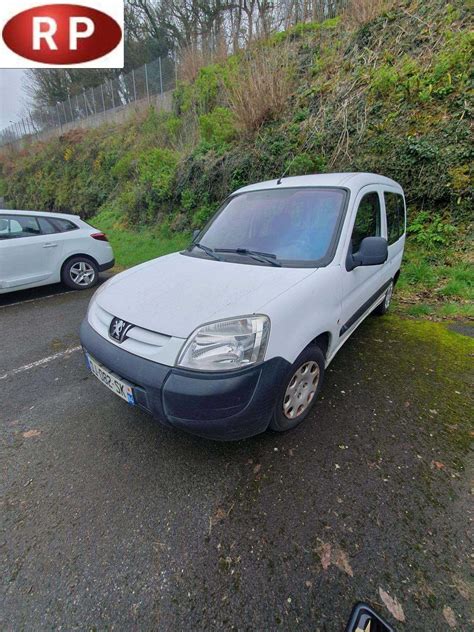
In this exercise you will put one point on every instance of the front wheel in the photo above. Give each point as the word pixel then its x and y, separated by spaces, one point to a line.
pixel 387 299
pixel 80 273
pixel 300 390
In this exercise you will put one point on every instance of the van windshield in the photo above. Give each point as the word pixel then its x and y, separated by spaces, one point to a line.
pixel 275 226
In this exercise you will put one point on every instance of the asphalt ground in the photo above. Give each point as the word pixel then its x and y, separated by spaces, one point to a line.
pixel 110 521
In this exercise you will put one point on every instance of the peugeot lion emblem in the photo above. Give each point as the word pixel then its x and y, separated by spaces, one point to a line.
pixel 119 329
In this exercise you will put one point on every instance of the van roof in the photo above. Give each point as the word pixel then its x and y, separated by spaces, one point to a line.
pixel 352 181
pixel 7 211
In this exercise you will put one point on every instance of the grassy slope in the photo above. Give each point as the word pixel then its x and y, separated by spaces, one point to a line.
pixel 390 96
pixel 132 247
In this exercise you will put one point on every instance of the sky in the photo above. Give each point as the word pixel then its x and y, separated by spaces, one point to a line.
pixel 12 96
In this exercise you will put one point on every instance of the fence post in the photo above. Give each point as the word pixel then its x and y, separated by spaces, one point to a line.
pixel 59 115
pixel 161 76
pixel 70 107
pixel 85 104
pixel 146 84
pixel 112 91
pixel 134 86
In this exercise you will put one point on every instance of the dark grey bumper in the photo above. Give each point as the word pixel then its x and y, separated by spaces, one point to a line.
pixel 107 266
pixel 227 406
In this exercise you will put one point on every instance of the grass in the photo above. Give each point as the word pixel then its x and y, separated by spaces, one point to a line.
pixel 436 285
pixel 134 246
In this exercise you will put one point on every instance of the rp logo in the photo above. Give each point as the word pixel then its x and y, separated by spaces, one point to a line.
pixel 64 35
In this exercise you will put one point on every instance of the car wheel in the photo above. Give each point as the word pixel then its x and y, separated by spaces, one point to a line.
pixel 300 390
pixel 384 306
pixel 80 273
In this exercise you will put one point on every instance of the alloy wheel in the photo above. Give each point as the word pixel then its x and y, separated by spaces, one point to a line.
pixel 82 273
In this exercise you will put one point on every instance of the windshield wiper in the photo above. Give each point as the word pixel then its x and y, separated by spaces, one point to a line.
pixel 209 251
pixel 263 257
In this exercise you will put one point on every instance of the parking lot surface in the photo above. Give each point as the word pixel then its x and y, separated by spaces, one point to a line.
pixel 112 522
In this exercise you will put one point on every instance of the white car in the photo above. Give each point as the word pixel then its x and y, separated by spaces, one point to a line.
pixel 233 335
pixel 42 248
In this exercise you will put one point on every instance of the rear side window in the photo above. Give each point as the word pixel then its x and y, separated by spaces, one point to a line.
pixel 14 226
pixel 47 227
pixel 367 222
pixel 63 225
pixel 51 225
pixel 395 210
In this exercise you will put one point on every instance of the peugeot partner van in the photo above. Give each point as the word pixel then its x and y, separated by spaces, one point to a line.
pixel 232 335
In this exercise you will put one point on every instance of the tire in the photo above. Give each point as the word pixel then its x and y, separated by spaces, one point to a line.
pixel 384 306
pixel 80 273
pixel 286 415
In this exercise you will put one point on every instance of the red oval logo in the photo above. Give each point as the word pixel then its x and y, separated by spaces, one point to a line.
pixel 62 34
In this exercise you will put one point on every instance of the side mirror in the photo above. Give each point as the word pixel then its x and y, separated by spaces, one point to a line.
pixel 196 234
pixel 373 251
pixel 363 619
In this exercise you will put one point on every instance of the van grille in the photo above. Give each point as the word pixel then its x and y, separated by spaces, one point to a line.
pixel 142 342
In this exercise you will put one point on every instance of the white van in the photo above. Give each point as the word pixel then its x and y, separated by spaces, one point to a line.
pixel 232 336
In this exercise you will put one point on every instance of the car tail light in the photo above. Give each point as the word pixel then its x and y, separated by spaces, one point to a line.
pixel 99 236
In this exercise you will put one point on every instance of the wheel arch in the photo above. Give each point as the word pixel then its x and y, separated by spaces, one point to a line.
pixel 78 254
pixel 323 341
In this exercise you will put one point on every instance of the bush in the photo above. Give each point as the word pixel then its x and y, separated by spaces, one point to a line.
pixel 431 230
pixel 259 88
pixel 217 127
pixel 359 12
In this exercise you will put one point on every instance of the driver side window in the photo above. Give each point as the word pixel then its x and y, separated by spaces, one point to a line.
pixel 367 222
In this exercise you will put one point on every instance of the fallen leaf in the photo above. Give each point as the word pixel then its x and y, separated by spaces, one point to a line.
pixel 392 605
pixel 308 584
pixel 448 614
pixel 339 558
pixel 334 555
pixel 220 514
pixel 438 465
pixel 325 555
pixel 31 433
pixel 464 589
pixel 257 468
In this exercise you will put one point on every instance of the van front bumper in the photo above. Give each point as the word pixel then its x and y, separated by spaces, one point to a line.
pixel 224 406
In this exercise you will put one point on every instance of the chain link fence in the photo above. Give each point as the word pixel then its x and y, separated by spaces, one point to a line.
pixel 145 84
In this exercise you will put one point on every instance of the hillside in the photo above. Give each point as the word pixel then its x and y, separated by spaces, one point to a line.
pixel 389 95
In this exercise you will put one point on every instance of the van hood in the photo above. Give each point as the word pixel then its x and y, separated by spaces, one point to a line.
pixel 175 294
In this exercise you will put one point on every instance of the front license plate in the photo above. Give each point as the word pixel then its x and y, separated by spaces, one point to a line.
pixel 120 387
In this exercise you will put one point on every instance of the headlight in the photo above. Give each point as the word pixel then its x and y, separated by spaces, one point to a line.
pixel 226 344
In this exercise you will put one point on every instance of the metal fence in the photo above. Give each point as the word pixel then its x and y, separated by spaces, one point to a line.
pixel 142 84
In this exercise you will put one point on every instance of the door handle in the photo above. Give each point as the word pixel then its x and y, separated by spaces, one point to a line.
pixel 50 246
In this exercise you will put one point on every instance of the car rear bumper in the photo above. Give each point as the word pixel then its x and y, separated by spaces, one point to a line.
pixel 223 406
pixel 106 266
